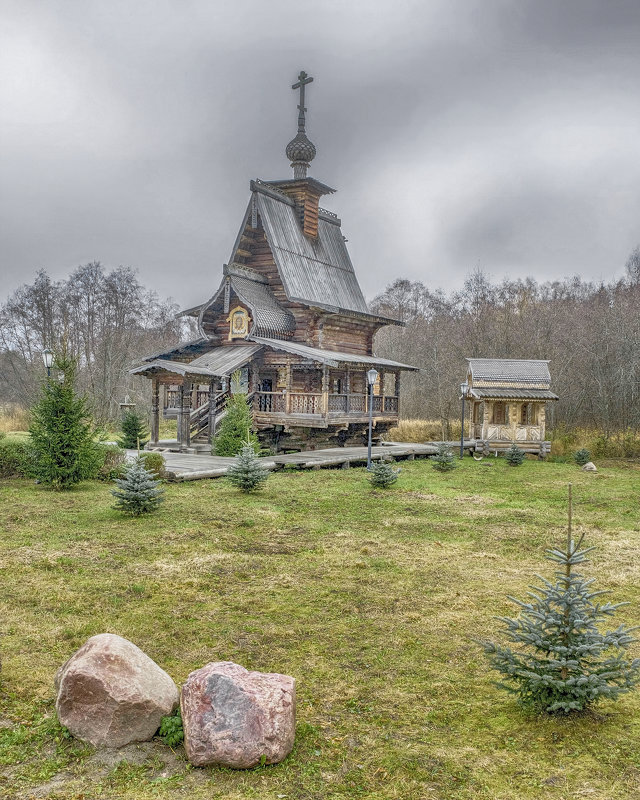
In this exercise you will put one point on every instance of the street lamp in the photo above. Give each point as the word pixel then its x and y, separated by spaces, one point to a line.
pixel 372 377
pixel 47 357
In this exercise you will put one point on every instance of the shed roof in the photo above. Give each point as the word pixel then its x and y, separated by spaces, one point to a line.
pixel 509 369
pixel 221 362
pixel 329 357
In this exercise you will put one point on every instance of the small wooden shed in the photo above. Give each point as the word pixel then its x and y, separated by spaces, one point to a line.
pixel 507 403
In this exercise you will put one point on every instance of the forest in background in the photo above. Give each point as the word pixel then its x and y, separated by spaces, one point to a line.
pixel 105 319
pixel 589 331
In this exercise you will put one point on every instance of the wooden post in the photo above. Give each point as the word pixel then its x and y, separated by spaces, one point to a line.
pixel 513 420
pixel 287 400
pixel 347 388
pixel 180 410
pixel 486 414
pixel 382 390
pixel 398 392
pixel 155 410
pixel 542 418
pixel 213 396
pixel 325 390
pixel 185 396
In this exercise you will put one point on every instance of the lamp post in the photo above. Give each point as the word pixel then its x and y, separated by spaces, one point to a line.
pixel 372 376
pixel 47 357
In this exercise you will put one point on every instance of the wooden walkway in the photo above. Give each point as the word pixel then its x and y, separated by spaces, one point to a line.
pixel 191 467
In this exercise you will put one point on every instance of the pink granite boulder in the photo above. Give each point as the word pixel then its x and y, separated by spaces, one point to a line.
pixel 110 693
pixel 237 718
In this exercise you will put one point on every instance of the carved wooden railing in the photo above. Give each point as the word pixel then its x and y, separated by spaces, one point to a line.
pixel 313 403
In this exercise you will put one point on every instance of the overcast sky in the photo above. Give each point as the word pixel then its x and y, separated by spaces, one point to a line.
pixel 499 133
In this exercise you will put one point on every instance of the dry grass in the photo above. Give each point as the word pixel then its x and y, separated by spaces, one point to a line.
pixel 424 430
pixel 13 419
pixel 369 598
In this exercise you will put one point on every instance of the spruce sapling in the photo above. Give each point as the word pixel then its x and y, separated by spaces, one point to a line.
pixel 235 429
pixel 514 455
pixel 582 456
pixel 247 473
pixel 443 460
pixel 563 663
pixel 134 432
pixel 63 432
pixel 138 490
pixel 382 475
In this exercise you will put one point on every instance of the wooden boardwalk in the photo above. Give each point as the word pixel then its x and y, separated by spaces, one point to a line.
pixel 191 467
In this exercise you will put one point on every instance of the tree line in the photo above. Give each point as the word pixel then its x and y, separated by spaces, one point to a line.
pixel 589 331
pixel 105 320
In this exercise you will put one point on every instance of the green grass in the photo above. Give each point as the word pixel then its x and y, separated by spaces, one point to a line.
pixel 368 598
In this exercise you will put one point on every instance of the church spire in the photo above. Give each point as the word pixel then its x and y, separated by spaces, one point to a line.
pixel 300 151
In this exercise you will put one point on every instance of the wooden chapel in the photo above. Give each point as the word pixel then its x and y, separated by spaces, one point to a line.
pixel 288 321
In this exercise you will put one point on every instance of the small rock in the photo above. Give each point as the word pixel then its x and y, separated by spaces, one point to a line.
pixel 237 718
pixel 589 467
pixel 110 693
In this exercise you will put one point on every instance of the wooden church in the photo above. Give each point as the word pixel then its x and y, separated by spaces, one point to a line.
pixel 288 326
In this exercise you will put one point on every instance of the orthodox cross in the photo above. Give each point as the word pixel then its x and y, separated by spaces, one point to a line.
pixel 303 80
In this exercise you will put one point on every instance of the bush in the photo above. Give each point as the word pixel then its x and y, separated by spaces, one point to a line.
pixel 138 490
pixel 154 462
pixel 235 429
pixel 443 460
pixel 382 475
pixel 247 473
pixel 134 431
pixel 562 662
pixel 582 456
pixel 112 462
pixel 514 455
pixel 63 432
pixel 16 457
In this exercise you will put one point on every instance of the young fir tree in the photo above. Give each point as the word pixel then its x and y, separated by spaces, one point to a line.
pixel 443 460
pixel 247 473
pixel 563 662
pixel 63 431
pixel 382 475
pixel 134 431
pixel 235 429
pixel 582 456
pixel 514 455
pixel 138 490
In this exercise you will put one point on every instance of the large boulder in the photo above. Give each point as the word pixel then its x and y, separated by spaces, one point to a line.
pixel 237 718
pixel 110 693
pixel 589 467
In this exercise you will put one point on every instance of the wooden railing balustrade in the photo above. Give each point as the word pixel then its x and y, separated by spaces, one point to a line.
pixel 313 403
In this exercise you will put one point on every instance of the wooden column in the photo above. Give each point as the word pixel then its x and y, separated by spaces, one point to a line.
pixel 398 391
pixel 486 416
pixel 213 396
pixel 289 380
pixel 347 388
pixel 155 410
pixel 513 419
pixel 542 419
pixel 325 390
pixel 255 380
pixel 185 412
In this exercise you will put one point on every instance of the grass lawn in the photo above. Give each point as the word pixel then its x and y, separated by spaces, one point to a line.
pixel 367 598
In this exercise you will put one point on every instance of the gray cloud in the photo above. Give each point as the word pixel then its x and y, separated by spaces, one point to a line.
pixel 457 133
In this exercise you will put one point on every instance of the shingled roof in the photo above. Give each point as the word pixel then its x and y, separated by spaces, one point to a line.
pixel 509 370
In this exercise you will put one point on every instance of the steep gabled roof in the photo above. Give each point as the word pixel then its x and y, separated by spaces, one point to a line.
pixel 269 318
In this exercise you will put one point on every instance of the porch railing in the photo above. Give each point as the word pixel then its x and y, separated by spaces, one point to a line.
pixel 312 403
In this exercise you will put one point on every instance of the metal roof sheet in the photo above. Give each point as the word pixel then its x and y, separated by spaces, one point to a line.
pixel 487 393
pixel 510 369
pixel 312 270
pixel 329 357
